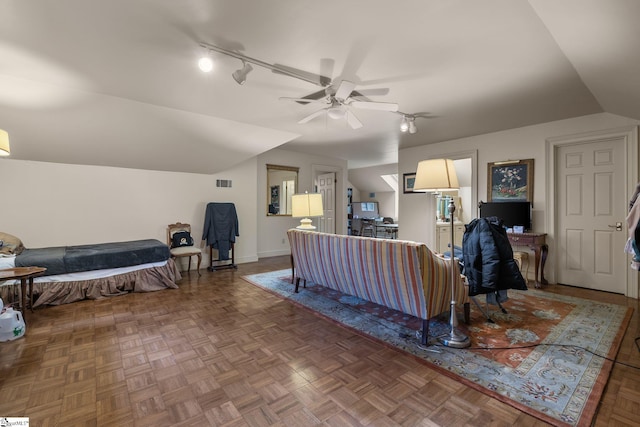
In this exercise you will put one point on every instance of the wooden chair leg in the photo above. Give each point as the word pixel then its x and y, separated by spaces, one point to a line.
pixel 425 332
pixel 467 313
pixel 199 262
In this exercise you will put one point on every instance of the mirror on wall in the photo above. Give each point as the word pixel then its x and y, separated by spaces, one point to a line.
pixel 282 182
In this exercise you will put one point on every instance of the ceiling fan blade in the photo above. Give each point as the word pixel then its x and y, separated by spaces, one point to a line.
pixel 304 100
pixel 344 90
pixel 312 116
pixel 382 106
pixel 371 92
pixel 353 120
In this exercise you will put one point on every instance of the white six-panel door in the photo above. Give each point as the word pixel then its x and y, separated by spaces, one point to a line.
pixel 327 187
pixel 591 201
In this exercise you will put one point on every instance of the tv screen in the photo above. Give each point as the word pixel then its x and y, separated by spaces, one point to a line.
pixel 365 209
pixel 511 213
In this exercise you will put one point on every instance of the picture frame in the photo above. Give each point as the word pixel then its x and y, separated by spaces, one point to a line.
pixel 408 180
pixel 510 181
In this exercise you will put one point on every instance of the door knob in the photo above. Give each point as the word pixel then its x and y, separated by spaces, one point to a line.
pixel 618 226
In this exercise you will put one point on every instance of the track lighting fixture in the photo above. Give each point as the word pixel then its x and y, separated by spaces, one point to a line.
pixel 404 125
pixel 319 81
pixel 240 76
pixel 408 124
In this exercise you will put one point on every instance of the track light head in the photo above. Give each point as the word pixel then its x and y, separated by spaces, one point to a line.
pixel 404 125
pixel 240 76
pixel 412 125
pixel 205 64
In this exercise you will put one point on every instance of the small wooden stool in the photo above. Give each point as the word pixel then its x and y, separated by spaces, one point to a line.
pixel 520 257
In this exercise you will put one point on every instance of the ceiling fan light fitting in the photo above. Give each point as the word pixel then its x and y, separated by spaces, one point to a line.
pixel 336 113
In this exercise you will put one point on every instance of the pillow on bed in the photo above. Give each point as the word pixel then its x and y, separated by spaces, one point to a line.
pixel 10 245
pixel 181 238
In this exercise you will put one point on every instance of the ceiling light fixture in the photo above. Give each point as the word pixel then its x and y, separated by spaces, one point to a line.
pixel 336 112
pixel 205 64
pixel 240 76
pixel 408 123
pixel 317 80
pixel 5 150
pixel 404 125
pixel 412 125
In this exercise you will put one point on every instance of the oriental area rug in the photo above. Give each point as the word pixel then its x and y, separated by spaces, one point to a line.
pixel 546 356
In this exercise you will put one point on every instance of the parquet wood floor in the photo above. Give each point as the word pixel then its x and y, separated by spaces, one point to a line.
pixel 221 352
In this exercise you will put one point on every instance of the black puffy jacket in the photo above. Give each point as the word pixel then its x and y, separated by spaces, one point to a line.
pixel 488 258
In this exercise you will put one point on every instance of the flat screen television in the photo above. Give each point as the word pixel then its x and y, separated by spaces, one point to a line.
pixel 511 213
pixel 365 210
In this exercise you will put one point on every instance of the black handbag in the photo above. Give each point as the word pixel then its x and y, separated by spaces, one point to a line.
pixel 181 238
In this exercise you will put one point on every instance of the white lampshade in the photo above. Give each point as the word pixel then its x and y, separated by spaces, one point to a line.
pixel 4 143
pixel 436 175
pixel 304 206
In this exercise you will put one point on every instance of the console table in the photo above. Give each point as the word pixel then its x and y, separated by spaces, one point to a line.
pixel 538 243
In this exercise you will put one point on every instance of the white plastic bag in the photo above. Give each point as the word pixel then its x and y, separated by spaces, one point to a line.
pixel 12 325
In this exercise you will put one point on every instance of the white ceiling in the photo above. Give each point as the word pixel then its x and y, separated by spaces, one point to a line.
pixel 116 82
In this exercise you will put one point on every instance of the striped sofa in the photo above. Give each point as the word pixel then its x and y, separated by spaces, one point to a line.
pixel 398 274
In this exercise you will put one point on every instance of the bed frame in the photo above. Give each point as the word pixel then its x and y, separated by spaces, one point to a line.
pixel 96 271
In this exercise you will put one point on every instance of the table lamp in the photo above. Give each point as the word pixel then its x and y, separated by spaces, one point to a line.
pixel 436 175
pixel 4 143
pixel 304 206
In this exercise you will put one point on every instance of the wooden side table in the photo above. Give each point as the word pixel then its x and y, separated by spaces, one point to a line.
pixel 24 274
pixel 537 242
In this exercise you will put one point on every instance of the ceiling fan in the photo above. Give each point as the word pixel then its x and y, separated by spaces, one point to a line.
pixel 339 101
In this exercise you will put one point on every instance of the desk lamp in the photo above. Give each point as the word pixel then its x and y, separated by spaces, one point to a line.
pixel 436 175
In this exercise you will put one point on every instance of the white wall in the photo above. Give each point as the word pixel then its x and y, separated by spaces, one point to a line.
pixel 50 204
pixel 522 143
pixel 272 236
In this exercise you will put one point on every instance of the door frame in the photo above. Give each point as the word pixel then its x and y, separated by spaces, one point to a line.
pixel 629 136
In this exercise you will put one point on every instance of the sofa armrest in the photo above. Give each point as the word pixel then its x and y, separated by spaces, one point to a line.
pixel 436 281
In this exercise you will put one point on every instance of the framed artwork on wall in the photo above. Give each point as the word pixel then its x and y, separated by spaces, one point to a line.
pixel 510 181
pixel 407 182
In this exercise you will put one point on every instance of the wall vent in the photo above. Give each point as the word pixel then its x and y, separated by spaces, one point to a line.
pixel 225 183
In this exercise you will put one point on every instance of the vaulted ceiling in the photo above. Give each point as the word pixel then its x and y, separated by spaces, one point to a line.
pixel 116 82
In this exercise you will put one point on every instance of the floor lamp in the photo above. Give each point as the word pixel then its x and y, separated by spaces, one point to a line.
pixel 438 175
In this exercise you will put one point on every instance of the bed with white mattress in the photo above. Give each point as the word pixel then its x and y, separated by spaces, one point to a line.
pixel 95 271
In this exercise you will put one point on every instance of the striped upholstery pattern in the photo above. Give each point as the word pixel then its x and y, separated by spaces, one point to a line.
pixel 402 275
pixel 436 283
